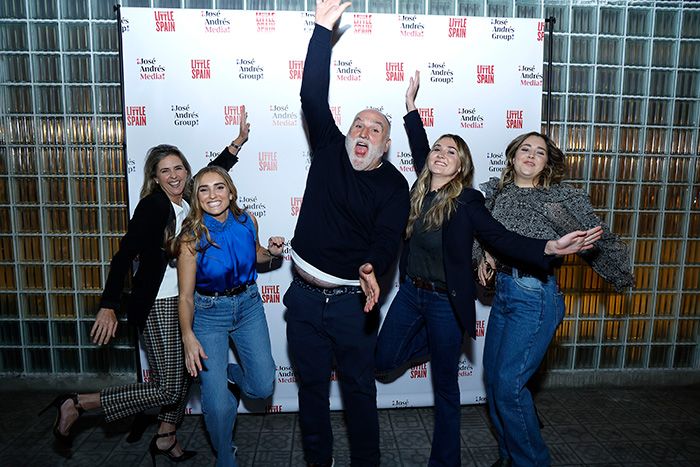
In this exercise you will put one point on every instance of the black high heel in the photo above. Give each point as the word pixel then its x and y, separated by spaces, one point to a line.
pixel 58 402
pixel 155 450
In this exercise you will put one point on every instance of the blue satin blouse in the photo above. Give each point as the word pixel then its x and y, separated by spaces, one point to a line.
pixel 231 261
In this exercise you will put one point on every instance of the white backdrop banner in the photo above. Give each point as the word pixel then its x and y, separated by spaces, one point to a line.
pixel 187 72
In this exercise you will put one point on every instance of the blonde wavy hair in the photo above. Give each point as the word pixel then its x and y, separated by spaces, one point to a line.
pixel 552 173
pixel 445 201
pixel 193 227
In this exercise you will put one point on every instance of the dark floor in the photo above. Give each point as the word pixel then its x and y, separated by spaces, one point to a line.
pixel 582 427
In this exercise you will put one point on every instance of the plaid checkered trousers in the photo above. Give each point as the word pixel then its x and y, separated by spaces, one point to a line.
pixel 169 380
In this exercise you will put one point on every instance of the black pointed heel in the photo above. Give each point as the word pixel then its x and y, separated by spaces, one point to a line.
pixel 156 451
pixel 57 403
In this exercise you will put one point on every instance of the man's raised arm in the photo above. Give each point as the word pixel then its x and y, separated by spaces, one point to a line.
pixel 316 78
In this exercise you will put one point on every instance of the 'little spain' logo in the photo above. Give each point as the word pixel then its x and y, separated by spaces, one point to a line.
pixel 419 371
pixel 362 23
pixel 165 20
pixel 427 114
pixel 270 293
pixel 201 68
pixel 267 161
pixel 136 115
pixel 540 31
pixel 232 115
pixel 457 27
pixel 295 202
pixel 265 21
pixel 514 118
pixel 485 74
pixel 394 71
pixel 480 328
pixel 296 69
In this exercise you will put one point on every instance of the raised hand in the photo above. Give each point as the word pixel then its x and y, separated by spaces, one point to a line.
pixel 244 127
pixel 412 91
pixel 329 11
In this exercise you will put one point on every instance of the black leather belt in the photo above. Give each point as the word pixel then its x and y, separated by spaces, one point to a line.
pixel 427 285
pixel 239 289
pixel 505 269
pixel 328 292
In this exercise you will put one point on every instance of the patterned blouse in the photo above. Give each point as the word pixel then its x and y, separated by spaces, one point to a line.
pixel 549 213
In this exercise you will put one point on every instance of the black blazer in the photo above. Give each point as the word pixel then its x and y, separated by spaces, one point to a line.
pixel 470 217
pixel 144 240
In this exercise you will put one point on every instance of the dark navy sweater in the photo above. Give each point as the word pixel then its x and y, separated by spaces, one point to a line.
pixel 347 217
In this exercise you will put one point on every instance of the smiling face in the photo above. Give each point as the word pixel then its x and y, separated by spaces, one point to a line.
pixel 214 195
pixel 171 175
pixel 443 160
pixel 367 140
pixel 529 161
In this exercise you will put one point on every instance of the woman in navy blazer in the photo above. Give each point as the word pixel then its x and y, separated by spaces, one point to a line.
pixel 152 305
pixel 435 302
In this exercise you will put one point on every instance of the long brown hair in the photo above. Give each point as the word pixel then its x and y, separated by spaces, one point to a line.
pixel 153 157
pixel 445 201
pixel 150 167
pixel 193 227
pixel 553 171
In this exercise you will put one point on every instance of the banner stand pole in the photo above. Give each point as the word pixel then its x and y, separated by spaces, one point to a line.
pixel 551 21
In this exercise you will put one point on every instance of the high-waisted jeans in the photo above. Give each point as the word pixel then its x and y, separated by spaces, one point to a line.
pixel 217 321
pixel 524 316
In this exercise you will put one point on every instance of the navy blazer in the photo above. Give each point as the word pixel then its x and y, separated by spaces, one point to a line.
pixel 144 240
pixel 470 217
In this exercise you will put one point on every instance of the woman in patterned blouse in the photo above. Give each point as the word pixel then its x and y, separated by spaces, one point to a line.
pixel 528 306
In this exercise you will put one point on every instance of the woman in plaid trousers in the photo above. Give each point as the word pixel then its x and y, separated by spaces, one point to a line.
pixel 152 305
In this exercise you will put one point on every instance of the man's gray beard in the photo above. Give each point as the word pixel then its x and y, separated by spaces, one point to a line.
pixel 373 153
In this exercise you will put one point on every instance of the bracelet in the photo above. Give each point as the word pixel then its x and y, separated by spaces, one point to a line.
pixel 237 146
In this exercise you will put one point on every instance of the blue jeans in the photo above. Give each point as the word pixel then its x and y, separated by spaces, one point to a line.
pixel 421 323
pixel 240 318
pixel 319 329
pixel 524 316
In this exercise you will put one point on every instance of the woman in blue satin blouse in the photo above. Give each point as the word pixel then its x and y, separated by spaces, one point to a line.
pixel 219 303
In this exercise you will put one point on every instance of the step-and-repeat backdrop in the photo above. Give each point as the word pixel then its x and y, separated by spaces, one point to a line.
pixel 187 73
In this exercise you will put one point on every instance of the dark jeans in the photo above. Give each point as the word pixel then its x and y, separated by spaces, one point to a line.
pixel 524 316
pixel 420 323
pixel 319 329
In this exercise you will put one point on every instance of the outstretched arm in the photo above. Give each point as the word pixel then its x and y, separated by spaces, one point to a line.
pixel 229 156
pixel 316 79
pixel 186 275
pixel 412 91
pixel 330 11
pixel 275 246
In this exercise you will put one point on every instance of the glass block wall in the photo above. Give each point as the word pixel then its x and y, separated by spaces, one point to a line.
pixel 625 102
